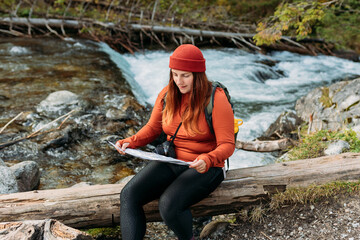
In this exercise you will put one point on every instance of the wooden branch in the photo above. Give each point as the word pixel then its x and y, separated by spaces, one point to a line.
pixel 189 31
pixel 12 32
pixel 264 146
pixel 99 205
pixel 17 8
pixel 158 40
pixel 293 42
pixel 48 124
pixel 37 132
pixel 154 11
pixel 108 11
pixel 62 25
pixel 17 116
pixel 40 22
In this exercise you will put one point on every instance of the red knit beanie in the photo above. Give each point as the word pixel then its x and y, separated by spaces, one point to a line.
pixel 187 57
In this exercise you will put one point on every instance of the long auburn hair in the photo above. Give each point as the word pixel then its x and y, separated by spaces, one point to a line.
pixel 199 98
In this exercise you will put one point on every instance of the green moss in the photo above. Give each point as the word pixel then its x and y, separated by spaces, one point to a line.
pixel 104 233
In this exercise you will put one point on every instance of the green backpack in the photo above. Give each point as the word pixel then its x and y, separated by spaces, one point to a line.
pixel 210 106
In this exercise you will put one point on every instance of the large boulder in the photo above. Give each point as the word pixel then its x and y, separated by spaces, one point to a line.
pixel 333 107
pixel 27 175
pixel 286 123
pixel 58 103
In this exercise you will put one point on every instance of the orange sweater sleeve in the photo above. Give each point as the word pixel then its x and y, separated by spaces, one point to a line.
pixel 223 124
pixel 153 127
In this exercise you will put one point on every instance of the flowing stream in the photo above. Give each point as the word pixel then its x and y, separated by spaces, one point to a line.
pixel 261 86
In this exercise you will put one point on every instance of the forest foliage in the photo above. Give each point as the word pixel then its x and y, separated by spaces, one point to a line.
pixel 335 20
pixel 331 20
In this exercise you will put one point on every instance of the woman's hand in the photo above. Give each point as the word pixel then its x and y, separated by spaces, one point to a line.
pixel 199 165
pixel 121 147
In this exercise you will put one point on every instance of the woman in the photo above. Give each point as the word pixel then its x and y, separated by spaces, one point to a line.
pixel 177 186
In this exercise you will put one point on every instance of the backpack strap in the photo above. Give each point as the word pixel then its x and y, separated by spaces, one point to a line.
pixel 210 106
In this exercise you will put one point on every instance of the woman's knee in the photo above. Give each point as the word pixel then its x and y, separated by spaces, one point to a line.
pixel 128 193
pixel 168 207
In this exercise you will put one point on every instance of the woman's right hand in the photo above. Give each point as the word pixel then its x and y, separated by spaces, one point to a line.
pixel 122 146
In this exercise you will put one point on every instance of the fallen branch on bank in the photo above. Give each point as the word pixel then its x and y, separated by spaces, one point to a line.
pixel 265 146
pixel 99 205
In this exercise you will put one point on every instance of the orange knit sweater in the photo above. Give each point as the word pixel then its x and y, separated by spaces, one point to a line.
pixel 213 149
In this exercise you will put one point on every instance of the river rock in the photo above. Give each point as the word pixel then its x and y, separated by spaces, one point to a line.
pixel 123 108
pixel 333 107
pixel 58 103
pixel 8 182
pixel 27 174
pixel 337 147
pixel 283 126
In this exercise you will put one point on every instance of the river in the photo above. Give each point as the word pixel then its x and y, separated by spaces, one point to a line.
pixel 261 86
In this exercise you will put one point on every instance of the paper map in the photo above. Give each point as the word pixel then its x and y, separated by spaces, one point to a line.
pixel 150 155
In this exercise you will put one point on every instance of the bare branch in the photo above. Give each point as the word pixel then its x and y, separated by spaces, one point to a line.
pixel 17 116
pixel 108 11
pixel 46 125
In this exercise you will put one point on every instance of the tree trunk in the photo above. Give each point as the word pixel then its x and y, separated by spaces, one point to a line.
pixel 95 206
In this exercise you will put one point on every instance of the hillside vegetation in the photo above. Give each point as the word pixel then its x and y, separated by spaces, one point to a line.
pixel 335 20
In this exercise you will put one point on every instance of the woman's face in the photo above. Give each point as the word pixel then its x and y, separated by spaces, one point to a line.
pixel 183 80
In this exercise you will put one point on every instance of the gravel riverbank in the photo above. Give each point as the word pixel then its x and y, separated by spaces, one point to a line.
pixel 334 218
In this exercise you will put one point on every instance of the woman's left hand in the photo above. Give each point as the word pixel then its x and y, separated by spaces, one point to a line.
pixel 199 165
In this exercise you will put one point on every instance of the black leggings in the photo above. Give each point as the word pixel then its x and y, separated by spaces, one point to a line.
pixel 177 186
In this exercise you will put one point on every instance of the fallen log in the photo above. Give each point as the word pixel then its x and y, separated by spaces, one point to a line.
pixel 78 24
pixel 40 229
pixel 264 146
pixel 98 205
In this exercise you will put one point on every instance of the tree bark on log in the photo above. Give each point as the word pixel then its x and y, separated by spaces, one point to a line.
pixel 264 146
pixel 48 229
pixel 99 205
